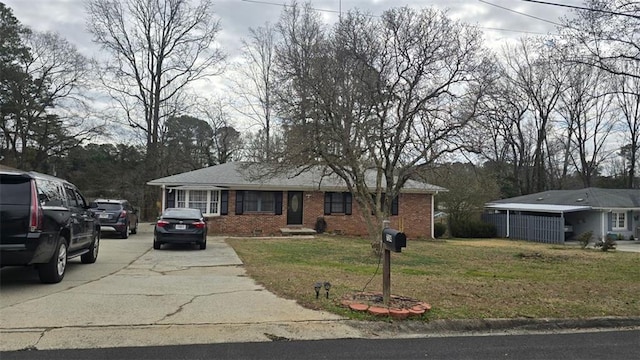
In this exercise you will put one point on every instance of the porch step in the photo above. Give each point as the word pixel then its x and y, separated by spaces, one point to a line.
pixel 297 231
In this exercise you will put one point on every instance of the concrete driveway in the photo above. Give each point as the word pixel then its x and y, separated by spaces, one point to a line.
pixel 136 296
pixel 626 245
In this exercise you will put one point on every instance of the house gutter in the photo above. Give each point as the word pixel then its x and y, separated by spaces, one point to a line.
pixel 433 219
pixel 164 194
pixel 603 225
pixel 564 234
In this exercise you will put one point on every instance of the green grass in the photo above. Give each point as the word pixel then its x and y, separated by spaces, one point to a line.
pixel 459 278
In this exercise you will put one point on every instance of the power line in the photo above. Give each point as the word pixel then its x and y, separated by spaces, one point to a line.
pixel 583 8
pixel 480 27
pixel 521 13
pixel 286 6
pixel 509 30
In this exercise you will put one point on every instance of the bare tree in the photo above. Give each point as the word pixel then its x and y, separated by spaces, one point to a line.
pixel 515 117
pixel 502 123
pixel 537 73
pixel 586 107
pixel 627 97
pixel 609 32
pixel 256 84
pixel 607 36
pixel 158 49
pixel 375 97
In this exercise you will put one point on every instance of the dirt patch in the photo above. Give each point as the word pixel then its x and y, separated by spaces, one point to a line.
pixel 541 257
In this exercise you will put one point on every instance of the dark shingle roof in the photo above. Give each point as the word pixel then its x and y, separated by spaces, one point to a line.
pixel 593 197
pixel 238 175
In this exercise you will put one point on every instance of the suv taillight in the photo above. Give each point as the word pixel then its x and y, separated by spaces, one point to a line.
pixel 35 212
pixel 123 214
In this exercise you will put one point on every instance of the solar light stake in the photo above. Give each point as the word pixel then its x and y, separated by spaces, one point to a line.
pixel 327 286
pixel 317 286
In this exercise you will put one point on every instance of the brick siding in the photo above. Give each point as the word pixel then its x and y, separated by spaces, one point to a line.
pixel 414 218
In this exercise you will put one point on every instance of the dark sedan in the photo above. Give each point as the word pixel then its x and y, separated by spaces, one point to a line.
pixel 180 226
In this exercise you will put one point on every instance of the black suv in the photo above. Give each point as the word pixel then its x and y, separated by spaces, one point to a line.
pixel 116 215
pixel 44 221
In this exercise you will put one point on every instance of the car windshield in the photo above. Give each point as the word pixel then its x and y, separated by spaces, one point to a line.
pixel 182 213
pixel 109 206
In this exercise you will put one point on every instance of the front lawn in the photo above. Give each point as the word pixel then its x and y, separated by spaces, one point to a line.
pixel 459 278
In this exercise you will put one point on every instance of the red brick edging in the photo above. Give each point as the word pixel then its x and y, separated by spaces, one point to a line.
pixel 413 309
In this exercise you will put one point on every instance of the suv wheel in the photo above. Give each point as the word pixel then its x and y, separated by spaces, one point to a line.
pixel 92 255
pixel 134 230
pixel 53 271
pixel 125 233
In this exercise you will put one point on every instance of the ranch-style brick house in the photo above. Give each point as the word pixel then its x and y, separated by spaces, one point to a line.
pixel 235 203
pixel 558 215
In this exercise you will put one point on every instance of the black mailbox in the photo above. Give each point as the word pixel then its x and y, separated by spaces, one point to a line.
pixel 394 240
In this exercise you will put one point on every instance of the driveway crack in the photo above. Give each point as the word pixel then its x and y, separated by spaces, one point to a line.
pixel 182 306
pixel 34 347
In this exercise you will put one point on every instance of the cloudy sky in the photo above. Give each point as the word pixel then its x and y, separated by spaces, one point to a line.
pixel 500 20
pixel 67 17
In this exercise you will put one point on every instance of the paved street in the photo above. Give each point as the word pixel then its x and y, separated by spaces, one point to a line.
pixel 136 296
pixel 574 346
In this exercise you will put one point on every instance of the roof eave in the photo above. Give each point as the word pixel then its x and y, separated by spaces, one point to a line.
pixel 269 187
pixel 615 208
pixel 556 209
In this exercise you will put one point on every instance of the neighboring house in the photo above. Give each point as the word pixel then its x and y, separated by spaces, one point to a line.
pixel 558 215
pixel 237 203
pixel 441 217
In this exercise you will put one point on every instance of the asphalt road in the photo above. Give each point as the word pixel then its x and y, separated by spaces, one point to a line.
pixel 576 346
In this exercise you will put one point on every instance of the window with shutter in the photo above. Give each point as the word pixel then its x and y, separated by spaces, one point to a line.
pixel 337 203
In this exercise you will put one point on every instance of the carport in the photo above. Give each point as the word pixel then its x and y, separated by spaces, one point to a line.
pixel 544 223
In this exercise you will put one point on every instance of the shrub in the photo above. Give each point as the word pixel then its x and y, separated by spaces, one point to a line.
pixel 585 238
pixel 439 229
pixel 472 229
pixel 609 243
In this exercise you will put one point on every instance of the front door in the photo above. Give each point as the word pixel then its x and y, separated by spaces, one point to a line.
pixel 294 208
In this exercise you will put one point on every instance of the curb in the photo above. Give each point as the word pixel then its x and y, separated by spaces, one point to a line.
pixel 408 328
pixel 185 334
